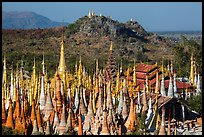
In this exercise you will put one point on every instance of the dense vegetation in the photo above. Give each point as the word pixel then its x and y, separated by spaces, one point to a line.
pixel 195 103
pixel 182 54
pixel 91 38
pixel 9 131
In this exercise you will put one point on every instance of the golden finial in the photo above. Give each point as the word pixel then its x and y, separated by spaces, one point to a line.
pixel 97 67
pixel 62 66
pixel 43 64
pixel 121 66
pixel 191 77
pixel 156 63
pixel 134 74
pixel 80 73
pixel 33 64
pixel 111 46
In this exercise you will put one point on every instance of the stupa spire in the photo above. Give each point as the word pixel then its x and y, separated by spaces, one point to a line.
pixel 48 105
pixel 33 111
pixel 3 111
pixel 175 86
pixel 62 125
pixel 162 130
pixel 157 83
pixel 170 88
pixel 9 121
pixel 82 107
pixel 105 130
pixel 35 128
pixel 80 127
pixel 162 90
pixel 144 101
pixel 111 46
pixel 62 66
pixel 4 80
pixel 191 78
pixel 134 74
pixel 42 93
pixel 39 118
pixel 131 117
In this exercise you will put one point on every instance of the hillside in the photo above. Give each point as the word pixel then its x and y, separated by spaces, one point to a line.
pixel 26 20
pixel 88 37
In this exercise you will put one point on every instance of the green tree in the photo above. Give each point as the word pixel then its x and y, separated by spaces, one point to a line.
pixel 10 131
pixel 182 53
pixel 195 103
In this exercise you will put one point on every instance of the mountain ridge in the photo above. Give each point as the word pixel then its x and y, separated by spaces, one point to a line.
pixel 27 20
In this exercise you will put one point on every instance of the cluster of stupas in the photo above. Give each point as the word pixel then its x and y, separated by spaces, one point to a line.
pixel 107 103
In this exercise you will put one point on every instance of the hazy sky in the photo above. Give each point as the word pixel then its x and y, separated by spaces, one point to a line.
pixel 153 16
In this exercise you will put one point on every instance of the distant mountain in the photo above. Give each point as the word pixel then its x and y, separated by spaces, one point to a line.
pixel 27 20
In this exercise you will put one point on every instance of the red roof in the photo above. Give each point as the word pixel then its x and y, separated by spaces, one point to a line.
pixel 179 84
pixel 144 67
pixel 141 71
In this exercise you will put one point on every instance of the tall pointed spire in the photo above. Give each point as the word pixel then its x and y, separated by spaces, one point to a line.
pixel 170 88
pixel 162 90
pixel 4 80
pixel 43 63
pixel 17 110
pixel 90 107
pixel 125 107
pixel 149 112
pixel 39 118
pixel 157 83
pixel 84 96
pixel 35 128
pixel 79 74
pixel 80 127
pixel 109 96
pixel 3 116
pixel 152 126
pixel 198 85
pixel 58 91
pixel 62 66
pixel 105 130
pixel 191 77
pixel 82 107
pixel 48 105
pixel 111 46
pixel 62 125
pixel 42 93
pixel 23 120
pixel 12 84
pixel 134 74
pixel 56 121
pixel 172 71
pixel 162 130
pixel 144 101
pixel 76 100
pixel 69 121
pixel 131 116
pixel 9 121
pixel 33 111
pixel 120 106
pixel 138 103
pixel 175 86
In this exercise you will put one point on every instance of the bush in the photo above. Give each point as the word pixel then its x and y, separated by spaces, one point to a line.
pixel 10 131
pixel 195 103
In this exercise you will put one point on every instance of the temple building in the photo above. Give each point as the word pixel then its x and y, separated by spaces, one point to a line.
pixel 111 102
